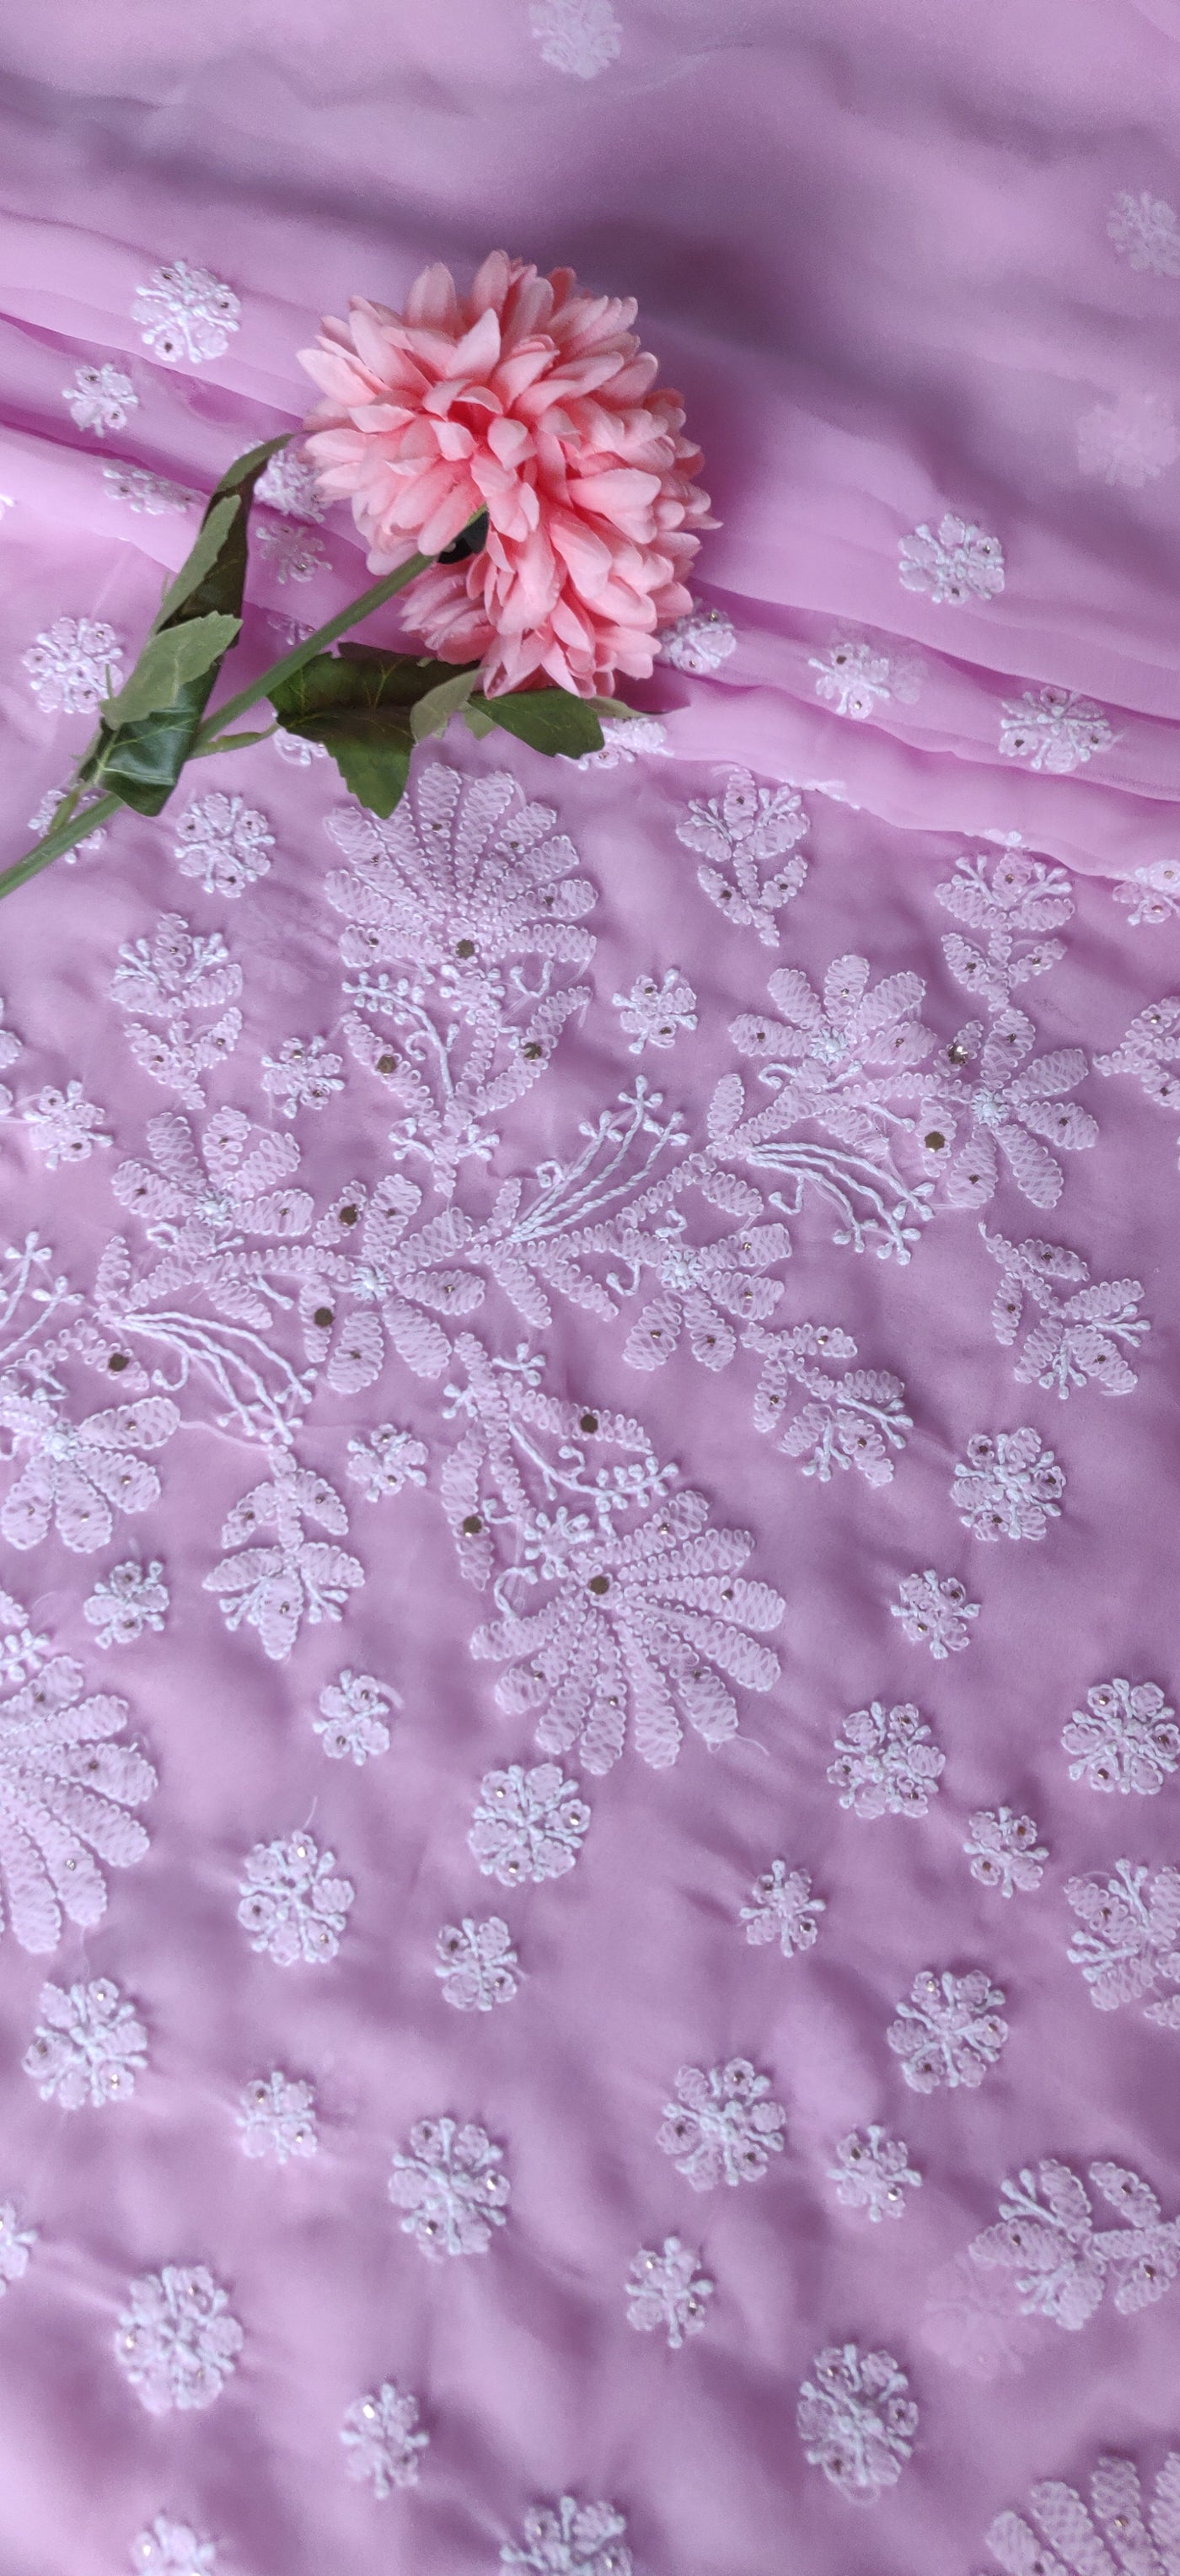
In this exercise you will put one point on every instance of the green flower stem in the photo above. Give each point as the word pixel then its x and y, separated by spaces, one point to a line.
pixel 62 837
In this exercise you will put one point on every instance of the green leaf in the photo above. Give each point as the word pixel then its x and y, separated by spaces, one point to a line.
pixel 214 529
pixel 167 662
pixel 614 707
pixel 552 720
pixel 359 703
pixel 478 721
pixel 433 712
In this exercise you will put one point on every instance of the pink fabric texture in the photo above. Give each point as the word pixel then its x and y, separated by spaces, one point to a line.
pixel 589 1772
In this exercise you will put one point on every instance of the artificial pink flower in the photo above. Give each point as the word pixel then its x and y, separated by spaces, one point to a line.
pixel 532 401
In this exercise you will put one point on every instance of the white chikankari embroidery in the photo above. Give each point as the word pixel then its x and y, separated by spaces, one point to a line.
pixel 185 313
pixel 23 1649
pixel 89 2046
pixel 1118 2507
pixel 1145 231
pixel 1013 901
pixel 41 820
pixel 383 2439
pixel 725 2126
pixel 572 2539
pixel 855 678
pixel 450 2187
pixel 294 747
pixel 289 483
pixel 1004 1851
pixel 665 2291
pixel 172 2549
pixel 291 1903
pixel 303 1075
pixel 73 665
pixel 872 2172
pixel 1125 1738
pixel 954 563
pixel 1014 1101
pixel 949 2031
pixel 698 642
pixel 1054 730
pixel 274 1588
pixel 934 1611
pixel 152 494
pixel 887 1763
pixel 388 1460
pixel 1151 1052
pixel 354 1709
pixel 224 842
pixel 10 1049
pixel 735 835
pixel 653 1014
pixel 856 2420
pixel 1131 1944
pixel 1008 1486
pixel 100 398
pixel 16 2245
pixel 1131 441
pixel 1063 2265
pixel 1152 895
pixel 129 1600
pixel 477 1964
pixel 784 1909
pixel 578 36
pixel 63 1125
pixel 293 553
pixel 176 2339
pixel 65 1785
pixel 1083 1339
pixel 623 739
pixel 277 2118
pixel 178 972
pixel 528 1825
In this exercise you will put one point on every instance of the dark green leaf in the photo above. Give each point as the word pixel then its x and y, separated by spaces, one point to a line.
pixel 358 703
pixel 432 712
pixel 214 529
pixel 552 720
pixel 168 660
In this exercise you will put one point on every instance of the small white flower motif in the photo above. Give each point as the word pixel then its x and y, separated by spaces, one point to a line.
pixel 724 2128
pixel 528 1825
pixel 16 2245
pixel 185 313
pixel 1125 1738
pixel 1131 1943
pixel 23 1650
pixel 144 492
pixel 698 642
pixel 623 738
pixel 41 820
pixel 172 2549
pixel 1131 441
pixel 303 1075
pixel 293 553
pixel 1054 730
pixel 294 747
pixel 572 2539
pixel 934 1611
pixel 100 398
pixel 666 2290
pixel 290 484
pixel 1152 895
pixel 784 1909
pixel 855 679
pixel 954 563
pixel 74 665
pixel 477 1964
pixel 653 1014
pixel 856 2420
pixel 224 842
pixel 1008 1486
pixel 578 36
pixel 451 2188
pixel 386 1461
pixel 128 1600
pixel 354 1709
pixel 89 2046
pixel 872 2172
pixel 887 1765
pixel 291 1903
pixel 64 1125
pixel 383 2439
pixel 949 2032
pixel 176 2339
pixel 277 2118
pixel 1145 231
pixel 1004 1851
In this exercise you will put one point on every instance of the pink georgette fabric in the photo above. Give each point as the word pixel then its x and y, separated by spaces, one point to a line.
pixel 679 1249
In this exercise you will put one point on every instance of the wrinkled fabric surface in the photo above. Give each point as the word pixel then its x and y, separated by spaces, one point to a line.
pixel 588 1377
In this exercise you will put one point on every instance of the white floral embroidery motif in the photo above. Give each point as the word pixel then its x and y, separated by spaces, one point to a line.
pixel 180 971
pixel 386 1461
pixel 623 739
pixel 856 2420
pixel 528 1825
pixel 572 2539
pixel 16 2245
pixel 699 642
pixel 477 1964
pixel 1008 1486
pixel 1081 1340
pixel 724 2128
pixel 1054 730
pixel 1118 2507
pixel 855 679
pixel 653 1014
pixel 1013 900
pixel 383 2439
pixel 1151 1051
pixel 950 2031
pixel 291 1903
pixel 73 665
pixel 274 1588
pixel 954 563
pixel 1145 231
pixel 734 836
pixel 1004 1851
pixel 1063 2266
pixel 303 1075
pixel 934 1611
pixel 1129 442
pixel 1125 1738
pixel 185 313
pixel 65 1785
pixel 173 2549
pixel 89 2046
pixel 666 2290
pixel 63 1125
pixel 578 36
pixel 872 2172
pixel 294 747
pixel 1014 1103
pixel 129 1600
pixel 100 398
pixel 176 2339
pixel 1131 1943
pixel 451 2188
pixel 1152 895
pixel 293 553
pixel 888 1765
pixel 224 842
pixel 784 1909
pixel 289 483
pixel 23 1650
pixel 144 492
pixel 354 1709
pixel 41 820
pixel 277 2118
